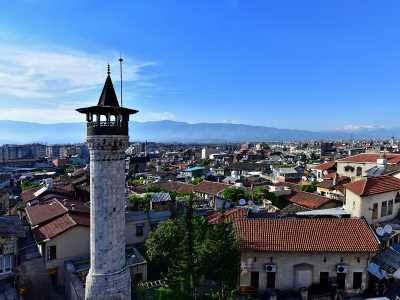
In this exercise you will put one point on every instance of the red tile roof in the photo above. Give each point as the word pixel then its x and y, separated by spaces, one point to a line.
pixel 306 235
pixel 230 215
pixel 42 213
pixel 372 158
pixel 28 195
pixel 325 166
pixel 60 225
pixel 176 186
pixel 374 185
pixel 210 187
pixel 309 200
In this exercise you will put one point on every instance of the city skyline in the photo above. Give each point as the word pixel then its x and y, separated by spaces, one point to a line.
pixel 286 65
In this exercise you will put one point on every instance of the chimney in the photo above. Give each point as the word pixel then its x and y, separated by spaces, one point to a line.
pixel 382 161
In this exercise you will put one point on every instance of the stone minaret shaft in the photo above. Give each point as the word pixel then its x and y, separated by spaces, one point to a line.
pixel 107 130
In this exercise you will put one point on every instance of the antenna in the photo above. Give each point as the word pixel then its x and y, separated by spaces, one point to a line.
pixel 120 73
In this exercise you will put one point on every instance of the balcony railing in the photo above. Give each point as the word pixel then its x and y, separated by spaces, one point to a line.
pixel 107 128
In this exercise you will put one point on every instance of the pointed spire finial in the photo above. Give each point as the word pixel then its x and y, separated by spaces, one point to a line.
pixel 108 70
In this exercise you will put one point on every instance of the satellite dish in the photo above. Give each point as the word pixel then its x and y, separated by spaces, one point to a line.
pixel 388 229
pixel 251 203
pixel 380 231
pixel 242 202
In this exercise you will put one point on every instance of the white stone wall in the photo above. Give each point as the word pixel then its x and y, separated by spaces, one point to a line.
pixel 108 277
pixel 286 262
pixel 340 166
pixel 362 207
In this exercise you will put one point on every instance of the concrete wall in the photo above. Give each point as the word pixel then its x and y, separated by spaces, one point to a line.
pixel 130 232
pixel 72 243
pixel 340 166
pixel 287 262
pixel 362 207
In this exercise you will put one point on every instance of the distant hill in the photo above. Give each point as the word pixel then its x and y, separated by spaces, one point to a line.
pixel 171 131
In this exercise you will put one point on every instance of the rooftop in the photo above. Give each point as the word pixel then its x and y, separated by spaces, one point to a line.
pixel 309 200
pixel 210 187
pixel 306 235
pixel 325 166
pixel 229 215
pixel 374 185
pixel 372 158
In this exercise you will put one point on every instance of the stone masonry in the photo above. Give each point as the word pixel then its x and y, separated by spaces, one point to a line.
pixel 109 277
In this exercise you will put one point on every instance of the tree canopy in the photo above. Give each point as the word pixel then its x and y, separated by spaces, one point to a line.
pixel 188 250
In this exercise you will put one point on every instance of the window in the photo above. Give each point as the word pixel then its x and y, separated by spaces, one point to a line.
pixel 357 280
pixel 358 171
pixel 254 279
pixel 384 211
pixel 51 252
pixel 139 229
pixel 324 279
pixel 270 280
pixel 397 198
pixel 375 211
pixel 5 263
pixel 390 207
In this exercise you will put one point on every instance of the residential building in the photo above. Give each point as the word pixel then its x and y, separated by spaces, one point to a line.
pixel 322 170
pixel 11 229
pixel 61 231
pixel 377 199
pixel 289 254
pixel 210 191
pixel 357 166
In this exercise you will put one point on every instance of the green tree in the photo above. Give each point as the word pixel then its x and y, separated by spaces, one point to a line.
pixel 27 184
pixel 221 257
pixel 234 194
pixel 139 202
pixel 162 245
pixel 197 180
pixel 309 188
pixel 204 163
pixel 153 189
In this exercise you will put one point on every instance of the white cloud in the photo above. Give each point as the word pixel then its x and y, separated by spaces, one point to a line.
pixel 351 127
pixel 32 73
pixel 42 115
pixel 64 114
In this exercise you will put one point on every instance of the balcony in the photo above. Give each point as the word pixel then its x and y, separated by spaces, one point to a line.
pixel 107 128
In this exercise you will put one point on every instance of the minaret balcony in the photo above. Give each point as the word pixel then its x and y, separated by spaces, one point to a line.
pixel 107 128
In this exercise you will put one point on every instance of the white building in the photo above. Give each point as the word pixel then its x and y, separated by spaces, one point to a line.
pixel 377 199
pixel 357 166
pixel 290 254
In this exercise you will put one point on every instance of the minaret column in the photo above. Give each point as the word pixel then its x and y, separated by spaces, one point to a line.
pixel 109 277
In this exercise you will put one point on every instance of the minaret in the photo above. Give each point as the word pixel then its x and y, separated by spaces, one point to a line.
pixel 107 139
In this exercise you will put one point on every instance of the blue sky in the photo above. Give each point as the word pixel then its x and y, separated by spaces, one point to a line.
pixel 289 64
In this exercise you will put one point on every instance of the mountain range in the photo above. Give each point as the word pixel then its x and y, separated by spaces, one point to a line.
pixel 181 132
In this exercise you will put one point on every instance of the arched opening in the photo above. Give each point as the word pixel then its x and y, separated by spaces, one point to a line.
pixel 103 118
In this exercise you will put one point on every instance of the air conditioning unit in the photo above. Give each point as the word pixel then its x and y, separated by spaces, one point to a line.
pixel 341 269
pixel 270 268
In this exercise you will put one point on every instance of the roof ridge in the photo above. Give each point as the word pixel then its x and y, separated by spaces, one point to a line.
pixel 364 185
